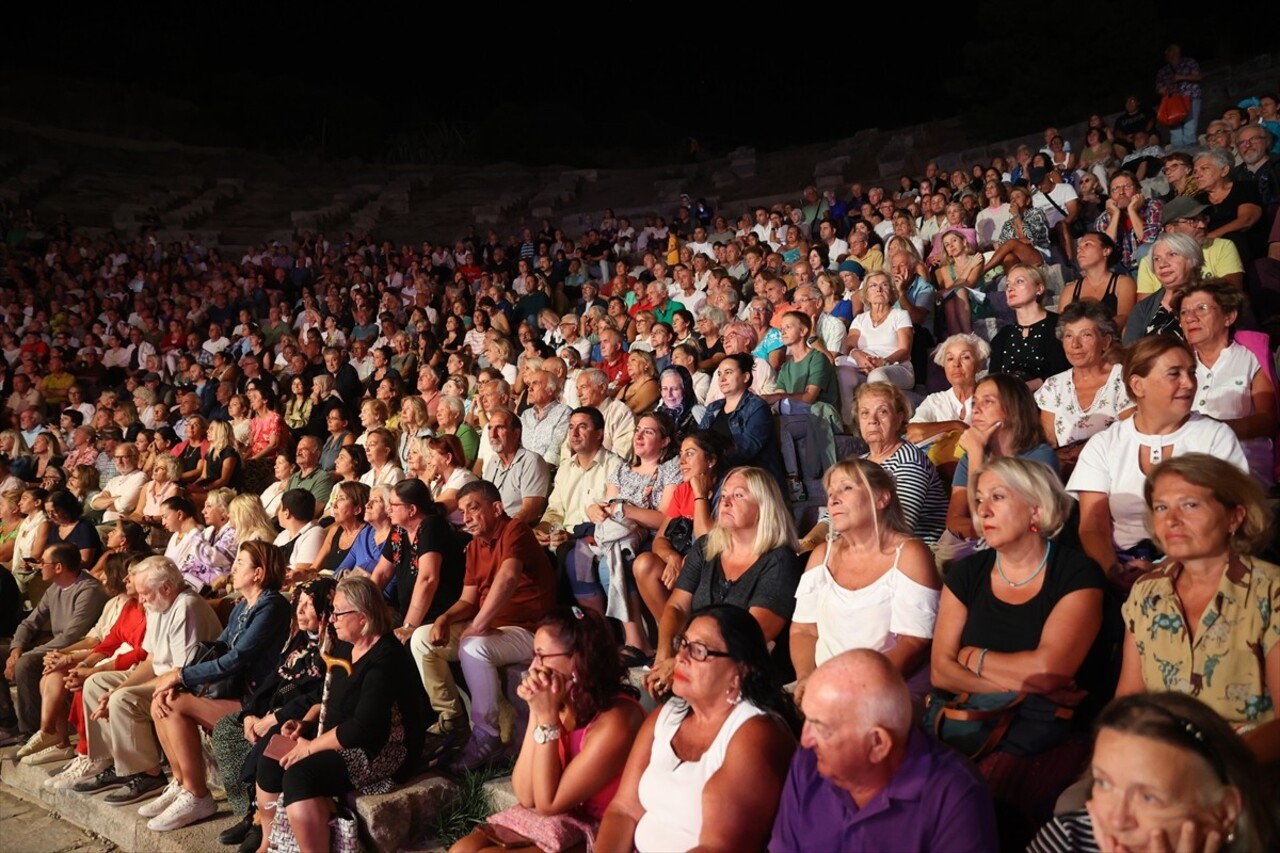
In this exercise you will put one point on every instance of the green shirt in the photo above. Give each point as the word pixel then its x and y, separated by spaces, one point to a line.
pixel 813 369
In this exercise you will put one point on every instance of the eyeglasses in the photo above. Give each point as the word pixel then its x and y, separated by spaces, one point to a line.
pixel 395 503
pixel 1214 133
pixel 1201 310
pixel 539 657
pixel 698 651
pixel 337 614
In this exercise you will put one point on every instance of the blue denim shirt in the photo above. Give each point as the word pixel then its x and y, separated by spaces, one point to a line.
pixel 255 635
pixel 755 434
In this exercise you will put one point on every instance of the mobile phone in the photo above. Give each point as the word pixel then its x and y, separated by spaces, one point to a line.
pixel 279 746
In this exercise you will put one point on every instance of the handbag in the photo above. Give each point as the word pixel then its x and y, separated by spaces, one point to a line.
pixel 223 688
pixel 344 834
pixel 1174 109
pixel 979 724
pixel 679 534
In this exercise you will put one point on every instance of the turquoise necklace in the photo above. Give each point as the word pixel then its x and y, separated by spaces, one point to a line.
pixel 1043 562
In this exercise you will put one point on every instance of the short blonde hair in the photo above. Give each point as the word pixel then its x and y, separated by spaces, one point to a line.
pixel 981 349
pixel 1038 485
pixel 169 462
pixel 901 405
pixel 249 519
pixel 1231 487
pixel 363 596
pixel 775 528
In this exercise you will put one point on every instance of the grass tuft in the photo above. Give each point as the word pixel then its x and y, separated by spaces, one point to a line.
pixel 471 807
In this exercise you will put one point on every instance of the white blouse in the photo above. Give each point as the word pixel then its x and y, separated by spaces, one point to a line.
pixel 1073 422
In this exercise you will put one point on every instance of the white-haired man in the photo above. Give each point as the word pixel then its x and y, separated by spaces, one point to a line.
pixel 123 750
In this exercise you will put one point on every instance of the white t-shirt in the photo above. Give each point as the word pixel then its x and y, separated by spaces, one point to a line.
pixel 1109 464
pixel 1071 421
pixel 1223 392
pixel 1061 193
pixel 881 340
pixel 943 406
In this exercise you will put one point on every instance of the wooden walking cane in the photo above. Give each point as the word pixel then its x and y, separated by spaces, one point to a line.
pixel 330 664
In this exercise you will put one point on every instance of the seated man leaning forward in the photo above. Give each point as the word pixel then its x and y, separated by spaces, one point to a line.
pixel 507 589
pixel 866 779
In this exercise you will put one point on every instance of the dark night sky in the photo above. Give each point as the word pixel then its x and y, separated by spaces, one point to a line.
pixel 581 88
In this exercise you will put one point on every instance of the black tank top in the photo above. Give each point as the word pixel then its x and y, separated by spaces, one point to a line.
pixel 1108 299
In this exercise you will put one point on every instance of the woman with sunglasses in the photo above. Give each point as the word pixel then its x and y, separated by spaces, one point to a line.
pixel 583 719
pixel 708 766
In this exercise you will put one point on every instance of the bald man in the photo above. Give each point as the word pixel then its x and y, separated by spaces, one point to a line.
pixel 866 779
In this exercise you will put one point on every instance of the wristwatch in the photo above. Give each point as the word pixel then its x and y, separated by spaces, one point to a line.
pixel 546 734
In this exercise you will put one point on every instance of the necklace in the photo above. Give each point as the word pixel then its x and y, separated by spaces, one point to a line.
pixel 1040 568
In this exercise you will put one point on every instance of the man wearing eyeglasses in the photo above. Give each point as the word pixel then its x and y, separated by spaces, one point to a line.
pixel 120 495
pixel 67 610
pixel 1256 143
pixel 1185 215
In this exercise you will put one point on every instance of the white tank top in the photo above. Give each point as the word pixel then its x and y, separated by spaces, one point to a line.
pixel 671 789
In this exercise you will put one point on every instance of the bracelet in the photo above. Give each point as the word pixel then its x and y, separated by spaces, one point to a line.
pixel 695 500
pixel 982 656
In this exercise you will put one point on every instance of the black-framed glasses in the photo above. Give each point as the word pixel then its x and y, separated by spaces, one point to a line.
pixel 338 614
pixel 540 658
pixel 698 651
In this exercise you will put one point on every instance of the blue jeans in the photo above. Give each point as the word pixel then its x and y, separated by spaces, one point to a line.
pixel 1184 135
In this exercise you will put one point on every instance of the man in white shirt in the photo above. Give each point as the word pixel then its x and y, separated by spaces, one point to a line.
pixel 1054 197
pixel 685 291
pixel 619 422
pixel 120 495
pixel 836 248
pixel 700 245
pixel 936 220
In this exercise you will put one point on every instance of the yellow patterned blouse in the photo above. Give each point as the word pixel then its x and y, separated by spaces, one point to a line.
pixel 1224 666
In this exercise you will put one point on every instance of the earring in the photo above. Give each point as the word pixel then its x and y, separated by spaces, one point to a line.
pixel 1035 528
pixel 735 698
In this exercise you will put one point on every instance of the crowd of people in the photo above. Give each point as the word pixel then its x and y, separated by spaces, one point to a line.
pixel 887 526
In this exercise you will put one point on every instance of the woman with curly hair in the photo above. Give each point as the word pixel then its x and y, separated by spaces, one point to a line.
pixel 580 704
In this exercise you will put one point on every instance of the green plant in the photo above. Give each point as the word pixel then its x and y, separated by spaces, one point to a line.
pixel 470 807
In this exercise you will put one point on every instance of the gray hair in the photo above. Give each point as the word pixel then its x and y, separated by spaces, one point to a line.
pixel 1182 245
pixel 364 597
pixel 1220 157
pixel 153 572
pixel 981 349
pixel 451 403
pixel 553 381
pixel 715 315
pixel 597 376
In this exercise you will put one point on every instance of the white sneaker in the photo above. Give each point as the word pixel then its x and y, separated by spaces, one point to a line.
pixel 38 741
pixel 81 767
pixel 185 810
pixel 155 807
pixel 49 755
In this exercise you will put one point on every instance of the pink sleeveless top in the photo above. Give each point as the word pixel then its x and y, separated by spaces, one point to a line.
pixel 571 745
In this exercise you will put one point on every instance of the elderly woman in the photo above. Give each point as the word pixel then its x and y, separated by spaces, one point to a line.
pixel 1235 207
pixel 370 739
pixel 747 560
pixel 364 555
pixel 641 391
pixel 878 343
pixel 769 345
pixel 1209 518
pixel 683 784
pixel 1168 774
pixel 1027 348
pixel 678 399
pixel 739 337
pixel 347 511
pixel 1095 253
pixel 447 473
pixel 162 486
pixel 579 697
pixel 449 415
pixel 1231 385
pixel 873 585
pixel 1005 422
pixel 1108 481
pixel 1082 401
pixel 196 696
pixel 962 358
pixel 1177 261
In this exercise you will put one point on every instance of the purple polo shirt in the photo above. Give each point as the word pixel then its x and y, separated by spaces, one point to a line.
pixel 937 801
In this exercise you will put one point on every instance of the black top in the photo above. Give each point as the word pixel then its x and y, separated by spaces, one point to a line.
pixel 1108 299
pixel 360 706
pixel 435 535
pixel 770 582
pixel 1036 355
pixel 1251 243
